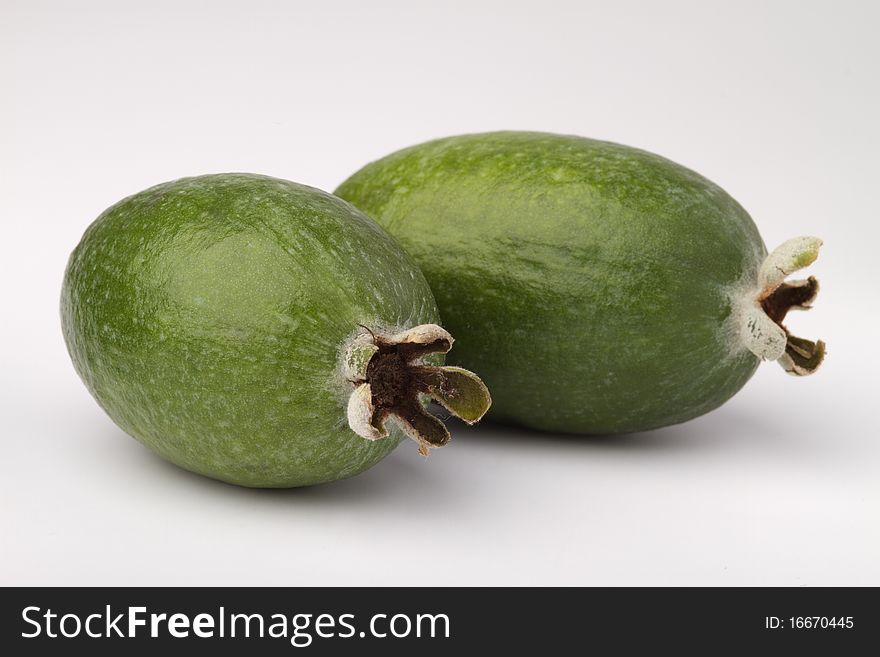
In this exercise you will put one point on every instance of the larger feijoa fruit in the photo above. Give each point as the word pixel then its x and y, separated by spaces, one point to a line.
pixel 258 331
pixel 596 288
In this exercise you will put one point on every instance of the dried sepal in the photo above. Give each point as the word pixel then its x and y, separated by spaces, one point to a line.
pixel 423 334
pixel 419 341
pixel 362 414
pixel 789 257
pixel 802 357
pixel 764 337
pixel 427 430
pixel 460 392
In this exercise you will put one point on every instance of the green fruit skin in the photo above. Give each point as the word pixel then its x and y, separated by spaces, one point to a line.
pixel 206 316
pixel 588 283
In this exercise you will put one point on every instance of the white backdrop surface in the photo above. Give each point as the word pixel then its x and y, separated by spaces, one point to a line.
pixel 776 101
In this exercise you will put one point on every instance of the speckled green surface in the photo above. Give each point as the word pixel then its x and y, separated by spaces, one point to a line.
pixel 206 316
pixel 587 282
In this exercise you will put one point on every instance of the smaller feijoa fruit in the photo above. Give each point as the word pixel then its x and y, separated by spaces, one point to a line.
pixel 258 331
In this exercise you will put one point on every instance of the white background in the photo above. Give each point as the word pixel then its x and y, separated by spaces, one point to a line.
pixel 775 101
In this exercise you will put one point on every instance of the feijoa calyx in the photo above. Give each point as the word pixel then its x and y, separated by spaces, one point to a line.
pixel 597 288
pixel 258 331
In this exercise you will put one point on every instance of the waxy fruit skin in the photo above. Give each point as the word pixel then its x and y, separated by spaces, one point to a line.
pixel 593 286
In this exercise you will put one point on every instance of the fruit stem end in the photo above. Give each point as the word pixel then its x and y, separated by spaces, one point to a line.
pixel 762 330
pixel 390 380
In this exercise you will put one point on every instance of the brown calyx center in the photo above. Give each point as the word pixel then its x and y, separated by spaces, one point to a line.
pixel 397 377
pixel 786 296
pixel 802 356
pixel 390 379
